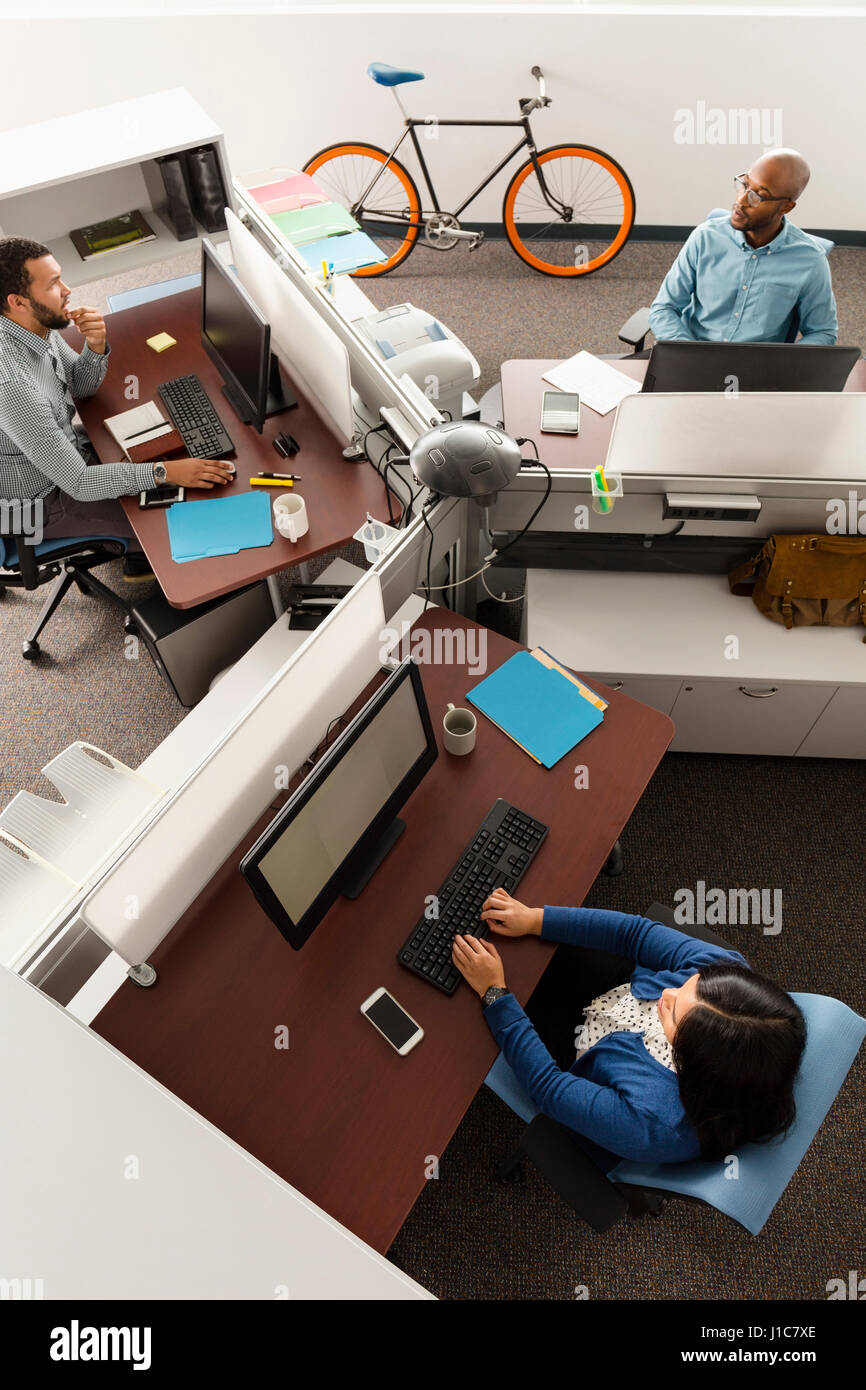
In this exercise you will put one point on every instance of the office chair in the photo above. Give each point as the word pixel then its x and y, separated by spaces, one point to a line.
pixel 67 562
pixel 834 1034
pixel 635 329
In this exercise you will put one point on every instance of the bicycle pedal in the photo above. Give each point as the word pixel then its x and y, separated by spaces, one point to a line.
pixel 476 241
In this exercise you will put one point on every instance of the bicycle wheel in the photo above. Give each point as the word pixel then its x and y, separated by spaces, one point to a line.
pixel 345 172
pixel 599 211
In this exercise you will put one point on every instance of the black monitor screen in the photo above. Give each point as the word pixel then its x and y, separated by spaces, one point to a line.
pixel 302 862
pixel 235 336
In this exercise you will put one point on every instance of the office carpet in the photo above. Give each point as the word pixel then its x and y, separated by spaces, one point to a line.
pixel 770 823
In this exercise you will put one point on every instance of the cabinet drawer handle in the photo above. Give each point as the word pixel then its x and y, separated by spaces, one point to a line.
pixel 759 694
pixel 615 685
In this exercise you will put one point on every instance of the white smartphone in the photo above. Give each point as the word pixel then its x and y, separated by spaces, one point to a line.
pixel 560 412
pixel 387 1017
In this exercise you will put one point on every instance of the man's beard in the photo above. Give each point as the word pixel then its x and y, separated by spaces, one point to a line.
pixel 46 316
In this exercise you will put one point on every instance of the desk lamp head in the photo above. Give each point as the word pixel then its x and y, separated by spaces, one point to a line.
pixel 463 458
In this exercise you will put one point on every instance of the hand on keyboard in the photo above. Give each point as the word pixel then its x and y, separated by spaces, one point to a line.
pixel 478 962
pixel 194 472
pixel 508 917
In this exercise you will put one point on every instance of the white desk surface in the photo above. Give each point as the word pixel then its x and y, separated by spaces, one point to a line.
pixel 202 1218
pixel 678 625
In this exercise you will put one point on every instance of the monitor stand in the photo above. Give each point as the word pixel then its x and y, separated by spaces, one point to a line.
pixel 356 882
pixel 279 396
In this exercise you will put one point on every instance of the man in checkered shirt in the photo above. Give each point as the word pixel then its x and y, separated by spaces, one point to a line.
pixel 43 455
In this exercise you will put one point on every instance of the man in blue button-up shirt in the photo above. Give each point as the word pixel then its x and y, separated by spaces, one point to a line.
pixel 748 276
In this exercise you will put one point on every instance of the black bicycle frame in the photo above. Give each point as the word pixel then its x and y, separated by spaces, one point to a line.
pixel 410 125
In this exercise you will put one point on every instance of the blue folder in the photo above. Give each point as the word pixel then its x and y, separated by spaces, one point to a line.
pixel 219 525
pixel 352 251
pixel 536 706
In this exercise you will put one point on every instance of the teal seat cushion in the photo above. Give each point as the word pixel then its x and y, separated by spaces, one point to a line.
pixel 45 549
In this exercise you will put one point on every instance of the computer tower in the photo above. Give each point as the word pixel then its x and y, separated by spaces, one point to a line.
pixel 190 646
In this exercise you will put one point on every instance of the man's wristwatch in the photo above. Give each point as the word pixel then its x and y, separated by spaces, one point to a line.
pixel 159 474
pixel 494 992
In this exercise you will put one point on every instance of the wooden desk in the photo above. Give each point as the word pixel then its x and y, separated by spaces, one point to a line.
pixel 522 388
pixel 338 1114
pixel 338 494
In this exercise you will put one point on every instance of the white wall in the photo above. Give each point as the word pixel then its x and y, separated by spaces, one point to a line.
pixel 282 86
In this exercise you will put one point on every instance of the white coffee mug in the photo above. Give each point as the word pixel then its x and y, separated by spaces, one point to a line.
pixel 458 728
pixel 290 516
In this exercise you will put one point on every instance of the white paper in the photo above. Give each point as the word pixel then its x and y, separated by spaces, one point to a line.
pixel 599 385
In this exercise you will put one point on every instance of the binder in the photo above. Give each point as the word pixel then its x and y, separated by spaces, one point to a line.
pixel 537 706
pixel 179 206
pixel 219 526
pixel 206 185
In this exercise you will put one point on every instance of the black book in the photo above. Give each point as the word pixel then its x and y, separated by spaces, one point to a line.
pixel 179 207
pixel 206 186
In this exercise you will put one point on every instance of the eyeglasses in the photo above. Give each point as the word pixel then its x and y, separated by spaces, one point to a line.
pixel 753 198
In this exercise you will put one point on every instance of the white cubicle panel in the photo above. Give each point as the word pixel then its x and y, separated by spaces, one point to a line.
pixel 155 880
pixel 307 346
pixel 751 435
pixel 112 1188
pixel 375 383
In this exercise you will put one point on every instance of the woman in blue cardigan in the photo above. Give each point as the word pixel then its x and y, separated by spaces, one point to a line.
pixel 691 1057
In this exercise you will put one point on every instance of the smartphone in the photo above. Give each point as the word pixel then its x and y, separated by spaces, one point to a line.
pixel 162 496
pixel 560 412
pixel 387 1017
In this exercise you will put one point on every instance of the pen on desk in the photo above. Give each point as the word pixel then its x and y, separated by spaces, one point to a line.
pixel 271 482
pixel 266 473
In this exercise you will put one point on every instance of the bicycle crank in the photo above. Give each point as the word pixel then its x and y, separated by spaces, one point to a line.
pixel 442 231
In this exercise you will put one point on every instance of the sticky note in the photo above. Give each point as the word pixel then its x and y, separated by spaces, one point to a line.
pixel 161 341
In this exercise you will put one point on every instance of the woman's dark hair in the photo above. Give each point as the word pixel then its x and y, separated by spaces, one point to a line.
pixel 737 1052
pixel 15 251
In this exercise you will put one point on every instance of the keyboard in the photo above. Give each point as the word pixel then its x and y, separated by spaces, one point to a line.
pixel 194 417
pixel 497 856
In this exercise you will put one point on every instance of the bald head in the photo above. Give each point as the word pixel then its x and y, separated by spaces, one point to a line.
pixel 784 171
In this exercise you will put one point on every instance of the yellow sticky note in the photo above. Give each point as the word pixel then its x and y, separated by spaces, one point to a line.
pixel 161 341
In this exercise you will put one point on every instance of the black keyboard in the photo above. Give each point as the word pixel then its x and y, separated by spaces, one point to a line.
pixel 497 856
pixel 195 419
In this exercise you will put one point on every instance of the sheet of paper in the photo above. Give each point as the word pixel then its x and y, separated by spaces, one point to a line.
pixel 599 385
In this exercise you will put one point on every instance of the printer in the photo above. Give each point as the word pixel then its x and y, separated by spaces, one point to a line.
pixel 411 341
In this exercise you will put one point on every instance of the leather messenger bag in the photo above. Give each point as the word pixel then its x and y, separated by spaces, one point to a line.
pixel 804 581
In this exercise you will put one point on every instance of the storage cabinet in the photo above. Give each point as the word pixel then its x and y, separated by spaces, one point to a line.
pixel 753 717
pixel 841 730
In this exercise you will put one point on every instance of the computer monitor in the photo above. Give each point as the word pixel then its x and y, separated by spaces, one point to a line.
pixel 699 366
pixel 335 830
pixel 237 339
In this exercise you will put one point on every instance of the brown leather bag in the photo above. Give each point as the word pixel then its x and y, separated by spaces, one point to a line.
pixel 804 581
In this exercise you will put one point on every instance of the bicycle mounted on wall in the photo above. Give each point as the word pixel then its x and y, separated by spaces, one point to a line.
pixel 567 211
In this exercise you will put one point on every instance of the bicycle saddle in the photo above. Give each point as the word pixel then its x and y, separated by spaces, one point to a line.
pixel 392 77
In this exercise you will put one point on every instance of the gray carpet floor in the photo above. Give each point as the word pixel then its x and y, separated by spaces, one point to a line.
pixel 777 823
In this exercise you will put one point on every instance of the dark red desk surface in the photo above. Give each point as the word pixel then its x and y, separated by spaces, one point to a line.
pixel 338 494
pixel 340 1115
pixel 522 390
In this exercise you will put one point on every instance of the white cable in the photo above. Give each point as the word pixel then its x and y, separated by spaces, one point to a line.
pixel 519 599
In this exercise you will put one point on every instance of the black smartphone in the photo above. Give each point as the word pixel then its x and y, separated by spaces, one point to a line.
pixel 161 496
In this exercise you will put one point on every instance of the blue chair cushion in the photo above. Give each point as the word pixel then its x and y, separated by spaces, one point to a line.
pixel 834 1034
pixel 392 77
pixel 45 549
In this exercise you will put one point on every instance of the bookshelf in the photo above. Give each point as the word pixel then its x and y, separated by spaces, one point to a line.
pixel 77 169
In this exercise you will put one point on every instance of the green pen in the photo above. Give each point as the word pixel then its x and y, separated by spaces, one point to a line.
pixel 601 484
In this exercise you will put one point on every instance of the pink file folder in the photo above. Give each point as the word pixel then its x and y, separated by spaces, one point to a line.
pixel 296 191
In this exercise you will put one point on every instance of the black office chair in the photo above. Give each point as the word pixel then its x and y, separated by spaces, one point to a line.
pixel 66 561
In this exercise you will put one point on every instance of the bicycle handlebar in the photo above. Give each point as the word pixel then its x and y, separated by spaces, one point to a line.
pixel 528 104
